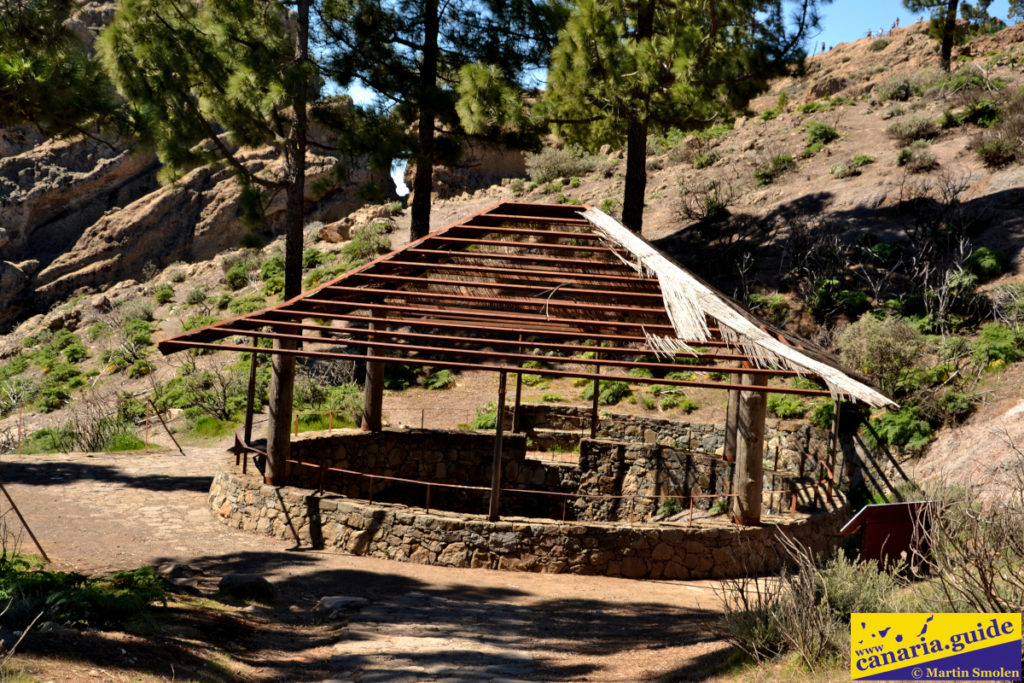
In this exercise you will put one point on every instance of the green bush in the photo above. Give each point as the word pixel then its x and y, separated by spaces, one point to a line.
pixel 439 379
pixel 195 297
pixel 917 158
pixel 812 107
pixel 998 152
pixel 774 305
pixel 885 350
pixel 164 293
pixel 899 88
pixel 905 428
pixel 552 398
pixel 957 406
pixel 237 276
pixel 367 244
pixel 669 506
pixel 776 166
pixel 320 275
pixel 553 164
pixel 996 346
pixel 822 414
pixel 272 274
pixel 486 417
pixel 197 320
pixel 818 132
pixel 610 393
pixel 398 377
pixel 247 304
pixel 879 44
pixel 986 263
pixel 313 257
pixel 223 301
pixel 705 159
pixel 908 130
pixel 786 406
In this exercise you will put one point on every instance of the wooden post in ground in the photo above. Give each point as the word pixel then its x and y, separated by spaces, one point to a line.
pixel 748 479
pixel 373 397
pixel 593 404
pixel 495 501
pixel 251 395
pixel 282 394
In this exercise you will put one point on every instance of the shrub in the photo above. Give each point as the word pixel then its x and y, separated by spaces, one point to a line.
pixel 996 346
pixel 552 164
pixel 786 406
pixel 905 428
pixel 704 159
pixel 812 107
pixel 609 206
pixel 439 379
pixel 223 301
pixel 164 293
pixel 272 274
pixel 237 276
pixel 818 132
pixel 899 88
pixel 669 506
pixel 892 112
pixel 775 305
pixel 609 394
pixel 917 158
pixel 367 244
pixel 885 349
pixel 997 152
pixel 395 208
pixel 195 297
pixel 247 304
pixel 957 406
pixel 486 417
pixel 710 203
pixel 776 166
pixel 879 44
pixel 822 414
pixel 909 130
pixel 313 257
pixel 197 320
pixel 517 187
pixel 552 398
pixel 986 263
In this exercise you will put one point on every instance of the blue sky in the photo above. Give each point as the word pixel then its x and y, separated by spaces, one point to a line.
pixel 844 21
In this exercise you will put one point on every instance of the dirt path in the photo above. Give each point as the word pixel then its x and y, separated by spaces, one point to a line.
pixel 99 512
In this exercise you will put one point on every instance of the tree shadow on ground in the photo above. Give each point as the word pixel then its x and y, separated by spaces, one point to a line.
pixel 411 629
pixel 56 473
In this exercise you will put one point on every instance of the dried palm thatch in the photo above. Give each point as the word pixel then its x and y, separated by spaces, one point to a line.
pixel 690 303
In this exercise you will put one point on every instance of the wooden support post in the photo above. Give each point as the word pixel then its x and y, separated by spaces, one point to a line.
pixel 749 476
pixel 373 398
pixel 732 413
pixel 593 405
pixel 496 468
pixel 837 465
pixel 250 398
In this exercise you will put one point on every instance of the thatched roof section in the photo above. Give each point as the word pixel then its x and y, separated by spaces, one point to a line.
pixel 691 303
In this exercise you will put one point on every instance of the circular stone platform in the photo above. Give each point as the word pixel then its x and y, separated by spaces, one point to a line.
pixel 712 549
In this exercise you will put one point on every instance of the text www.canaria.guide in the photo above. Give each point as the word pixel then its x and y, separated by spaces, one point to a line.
pixel 874 657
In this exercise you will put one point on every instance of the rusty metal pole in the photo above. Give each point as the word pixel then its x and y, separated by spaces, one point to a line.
pixel 24 523
pixel 373 399
pixel 251 395
pixel 748 480
pixel 495 501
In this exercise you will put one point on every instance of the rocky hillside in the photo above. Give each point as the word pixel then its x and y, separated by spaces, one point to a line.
pixel 834 194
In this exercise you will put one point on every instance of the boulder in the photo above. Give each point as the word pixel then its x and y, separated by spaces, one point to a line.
pixel 247 587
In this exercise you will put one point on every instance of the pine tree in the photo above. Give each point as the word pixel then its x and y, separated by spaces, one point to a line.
pixel 943 24
pixel 48 78
pixel 410 52
pixel 226 73
pixel 627 68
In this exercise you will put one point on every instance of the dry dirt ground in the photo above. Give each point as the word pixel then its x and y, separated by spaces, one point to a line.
pixel 95 513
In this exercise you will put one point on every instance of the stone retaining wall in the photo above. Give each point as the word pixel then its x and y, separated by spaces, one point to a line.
pixel 442 456
pixel 397 532
pixel 790 438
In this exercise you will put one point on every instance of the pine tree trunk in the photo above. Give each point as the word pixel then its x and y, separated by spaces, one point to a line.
pixel 948 30
pixel 423 181
pixel 636 176
pixel 282 379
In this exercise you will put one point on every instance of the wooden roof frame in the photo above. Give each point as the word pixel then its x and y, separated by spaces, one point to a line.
pixel 507 285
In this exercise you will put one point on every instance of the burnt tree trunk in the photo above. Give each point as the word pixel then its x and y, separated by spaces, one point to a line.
pixel 423 181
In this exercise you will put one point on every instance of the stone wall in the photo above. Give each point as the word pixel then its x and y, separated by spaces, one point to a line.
pixel 790 438
pixel 669 551
pixel 443 457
